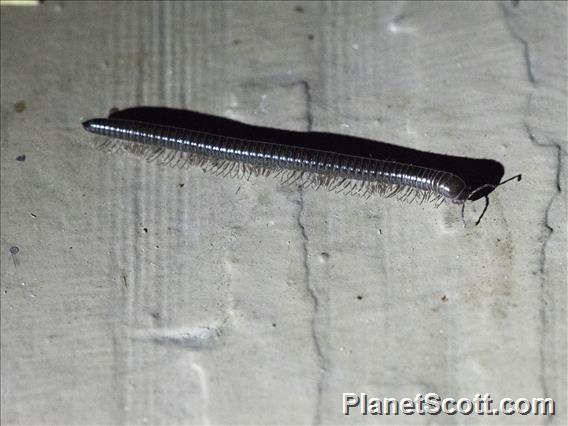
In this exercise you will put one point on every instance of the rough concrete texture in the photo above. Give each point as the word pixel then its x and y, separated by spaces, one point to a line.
pixel 135 300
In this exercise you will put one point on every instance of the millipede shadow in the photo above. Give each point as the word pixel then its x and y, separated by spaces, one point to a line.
pixel 475 172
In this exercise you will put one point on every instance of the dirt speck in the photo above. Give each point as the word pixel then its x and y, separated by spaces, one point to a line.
pixel 323 257
pixel 20 106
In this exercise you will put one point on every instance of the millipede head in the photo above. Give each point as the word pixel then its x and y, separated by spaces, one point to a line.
pixel 472 192
pixel 453 188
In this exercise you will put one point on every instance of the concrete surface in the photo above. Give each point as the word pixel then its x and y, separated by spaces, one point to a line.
pixel 135 300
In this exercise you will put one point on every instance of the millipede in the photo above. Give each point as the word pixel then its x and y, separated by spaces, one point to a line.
pixel 316 168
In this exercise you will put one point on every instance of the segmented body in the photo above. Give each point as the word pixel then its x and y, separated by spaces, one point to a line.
pixel 334 170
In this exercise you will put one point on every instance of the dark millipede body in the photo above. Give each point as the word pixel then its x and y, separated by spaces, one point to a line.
pixel 242 157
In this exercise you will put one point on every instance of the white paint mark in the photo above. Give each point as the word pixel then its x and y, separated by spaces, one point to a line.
pixel 395 28
pixel 204 386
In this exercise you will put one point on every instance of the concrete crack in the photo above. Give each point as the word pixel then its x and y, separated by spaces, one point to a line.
pixel 548 231
pixel 308 96
pixel 311 289
pixel 308 99
pixel 526 52
pixel 312 292
pixel 527 57
pixel 555 145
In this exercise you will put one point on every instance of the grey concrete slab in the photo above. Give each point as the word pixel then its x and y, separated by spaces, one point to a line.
pixel 134 299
